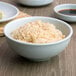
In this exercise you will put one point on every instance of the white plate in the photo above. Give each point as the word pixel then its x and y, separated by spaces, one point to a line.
pixel 69 18
pixel 9 10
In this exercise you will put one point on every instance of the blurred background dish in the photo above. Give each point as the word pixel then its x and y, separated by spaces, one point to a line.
pixel 7 11
pixel 35 2
pixel 66 12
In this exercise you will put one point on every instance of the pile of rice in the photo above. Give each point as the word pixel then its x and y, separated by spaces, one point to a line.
pixel 37 32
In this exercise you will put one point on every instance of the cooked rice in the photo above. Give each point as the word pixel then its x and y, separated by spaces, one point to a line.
pixel 38 32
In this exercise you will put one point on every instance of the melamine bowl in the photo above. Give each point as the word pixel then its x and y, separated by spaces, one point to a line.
pixel 34 51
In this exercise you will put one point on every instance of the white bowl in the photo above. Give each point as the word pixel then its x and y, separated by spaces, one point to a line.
pixel 69 18
pixel 35 2
pixel 9 10
pixel 36 51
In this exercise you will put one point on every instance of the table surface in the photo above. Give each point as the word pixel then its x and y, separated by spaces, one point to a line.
pixel 11 64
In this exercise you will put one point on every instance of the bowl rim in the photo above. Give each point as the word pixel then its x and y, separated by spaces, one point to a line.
pixel 68 4
pixel 12 6
pixel 39 44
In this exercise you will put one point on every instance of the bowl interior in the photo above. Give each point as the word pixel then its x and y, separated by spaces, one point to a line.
pixel 64 27
pixel 9 10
